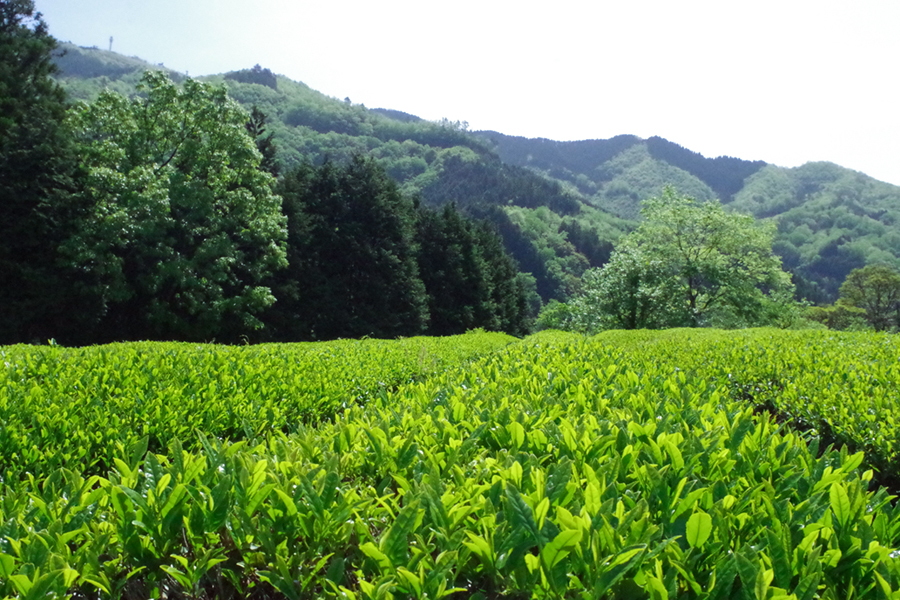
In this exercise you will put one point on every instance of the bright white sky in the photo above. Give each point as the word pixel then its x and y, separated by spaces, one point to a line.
pixel 785 81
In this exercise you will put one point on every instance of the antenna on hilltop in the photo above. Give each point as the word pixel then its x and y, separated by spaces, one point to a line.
pixel 110 43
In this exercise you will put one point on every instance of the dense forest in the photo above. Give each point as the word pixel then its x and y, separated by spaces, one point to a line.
pixel 553 234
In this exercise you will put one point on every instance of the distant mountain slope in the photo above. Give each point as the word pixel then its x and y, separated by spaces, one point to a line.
pixel 559 205
pixel 831 220
pixel 620 172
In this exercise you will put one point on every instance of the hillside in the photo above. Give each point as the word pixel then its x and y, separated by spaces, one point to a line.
pixel 831 220
pixel 560 206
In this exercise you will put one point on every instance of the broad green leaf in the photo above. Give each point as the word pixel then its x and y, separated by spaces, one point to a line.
pixel 396 542
pixel 175 497
pixel 852 462
pixel 412 579
pixel 7 565
pixel 656 588
pixel 372 551
pixel 618 568
pixel 840 503
pixel 289 504
pixel 884 585
pixel 763 579
pixel 560 547
pixel 593 498
pixel 520 513
pixel 806 588
pixel 540 512
pixel 780 557
pixel 699 528
pixel 517 433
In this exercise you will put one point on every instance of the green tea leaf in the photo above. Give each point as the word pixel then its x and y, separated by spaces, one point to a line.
pixel 560 547
pixel 840 503
pixel 699 528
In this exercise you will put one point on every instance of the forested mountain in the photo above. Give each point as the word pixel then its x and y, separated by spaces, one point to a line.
pixel 559 206
pixel 831 220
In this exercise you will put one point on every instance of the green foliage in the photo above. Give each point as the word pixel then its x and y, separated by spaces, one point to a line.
pixel 689 263
pixel 256 75
pixel 831 221
pixel 364 261
pixel 185 226
pixel 86 72
pixel 876 290
pixel 438 162
pixel 839 316
pixel 256 127
pixel 456 275
pixel 725 175
pixel 632 465
pixel 352 268
pixel 555 315
pixel 629 292
pixel 508 292
pixel 73 407
pixel 634 175
pixel 38 174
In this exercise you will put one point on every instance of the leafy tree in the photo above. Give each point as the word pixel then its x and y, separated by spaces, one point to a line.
pixel 38 173
pixel 555 315
pixel 839 316
pixel 876 290
pixel 256 75
pixel 688 264
pixel 352 260
pixel 629 292
pixel 185 226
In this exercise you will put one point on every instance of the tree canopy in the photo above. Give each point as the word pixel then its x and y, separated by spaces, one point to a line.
pixel 185 226
pixel 689 263
pixel 876 290
pixel 352 265
pixel 38 173
pixel 365 260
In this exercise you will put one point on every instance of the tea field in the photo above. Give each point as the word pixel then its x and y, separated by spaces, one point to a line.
pixel 755 464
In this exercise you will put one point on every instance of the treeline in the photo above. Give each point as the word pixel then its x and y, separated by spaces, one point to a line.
pixel 161 217
pixel 365 260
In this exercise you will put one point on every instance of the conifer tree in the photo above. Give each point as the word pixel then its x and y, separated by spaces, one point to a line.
pixel 38 173
pixel 455 274
pixel 352 261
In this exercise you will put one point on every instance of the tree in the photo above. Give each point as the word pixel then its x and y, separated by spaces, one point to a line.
pixel 185 226
pixel 689 263
pixel 352 256
pixel 876 290
pixel 454 272
pixel 839 316
pixel 38 175
pixel 508 292
pixel 256 127
pixel 629 292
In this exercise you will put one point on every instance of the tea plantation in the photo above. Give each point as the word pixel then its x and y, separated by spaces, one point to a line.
pixel 757 464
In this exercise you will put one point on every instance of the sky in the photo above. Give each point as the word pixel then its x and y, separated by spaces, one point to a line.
pixel 787 81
